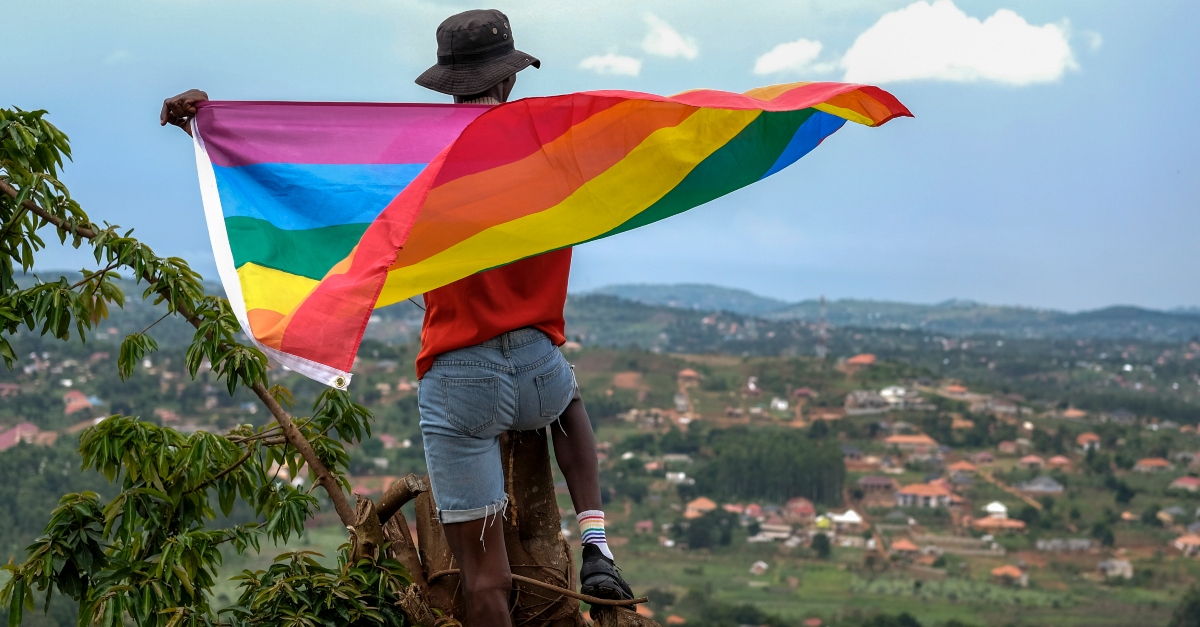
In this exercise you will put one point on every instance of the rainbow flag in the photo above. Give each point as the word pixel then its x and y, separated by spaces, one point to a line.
pixel 320 212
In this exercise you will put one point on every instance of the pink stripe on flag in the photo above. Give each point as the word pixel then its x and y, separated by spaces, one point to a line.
pixel 330 133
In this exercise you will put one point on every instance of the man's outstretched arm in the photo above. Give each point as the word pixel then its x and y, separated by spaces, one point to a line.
pixel 179 110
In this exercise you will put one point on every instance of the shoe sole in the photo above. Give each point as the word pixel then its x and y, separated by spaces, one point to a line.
pixel 606 590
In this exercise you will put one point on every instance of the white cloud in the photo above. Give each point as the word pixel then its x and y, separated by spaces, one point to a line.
pixel 1094 40
pixel 665 41
pixel 610 63
pixel 793 56
pixel 938 41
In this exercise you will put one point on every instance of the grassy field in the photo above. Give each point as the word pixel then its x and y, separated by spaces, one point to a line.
pixel 832 591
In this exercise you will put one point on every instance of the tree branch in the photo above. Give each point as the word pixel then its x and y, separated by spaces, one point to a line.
pixel 58 222
pixel 302 445
pixel 586 598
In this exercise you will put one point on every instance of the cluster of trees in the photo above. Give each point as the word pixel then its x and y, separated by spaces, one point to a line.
pixel 772 465
pixel 36 476
pixel 711 530
pixel 707 611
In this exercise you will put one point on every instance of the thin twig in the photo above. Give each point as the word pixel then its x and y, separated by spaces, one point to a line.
pixel 147 329
pixel 241 460
pixel 257 436
pixel 591 600
pixel 95 274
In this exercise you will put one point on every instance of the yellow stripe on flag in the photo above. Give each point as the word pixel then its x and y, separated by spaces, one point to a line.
pixel 610 199
pixel 848 114
pixel 268 288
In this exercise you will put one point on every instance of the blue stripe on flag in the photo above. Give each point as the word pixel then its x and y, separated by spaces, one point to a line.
pixel 810 135
pixel 295 196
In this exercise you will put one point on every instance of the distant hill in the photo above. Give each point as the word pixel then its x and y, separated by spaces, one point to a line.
pixel 957 317
pixel 697 296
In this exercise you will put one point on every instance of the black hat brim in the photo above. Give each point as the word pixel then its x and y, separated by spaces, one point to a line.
pixel 468 79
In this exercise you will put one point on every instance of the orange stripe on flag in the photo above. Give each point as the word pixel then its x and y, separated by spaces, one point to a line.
pixel 469 205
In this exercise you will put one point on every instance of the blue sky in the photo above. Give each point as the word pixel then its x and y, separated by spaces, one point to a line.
pixel 1052 162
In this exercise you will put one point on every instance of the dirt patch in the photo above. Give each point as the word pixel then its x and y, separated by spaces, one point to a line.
pixel 629 381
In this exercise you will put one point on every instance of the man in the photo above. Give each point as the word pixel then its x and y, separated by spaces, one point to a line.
pixel 489 363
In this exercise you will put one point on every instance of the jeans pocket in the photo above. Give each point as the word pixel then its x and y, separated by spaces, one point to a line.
pixel 555 389
pixel 470 403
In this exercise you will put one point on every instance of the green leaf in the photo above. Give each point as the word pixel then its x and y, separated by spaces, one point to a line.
pixel 16 602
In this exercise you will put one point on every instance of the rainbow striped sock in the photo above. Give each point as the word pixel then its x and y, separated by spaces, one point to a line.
pixel 591 530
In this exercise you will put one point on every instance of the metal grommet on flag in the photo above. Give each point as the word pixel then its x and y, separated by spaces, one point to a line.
pixel 340 383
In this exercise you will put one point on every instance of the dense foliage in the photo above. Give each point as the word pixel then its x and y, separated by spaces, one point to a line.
pixel 772 464
pixel 1187 613
pixel 45 474
pixel 705 611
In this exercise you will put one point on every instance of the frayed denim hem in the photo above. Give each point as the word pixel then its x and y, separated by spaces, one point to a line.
pixel 467 515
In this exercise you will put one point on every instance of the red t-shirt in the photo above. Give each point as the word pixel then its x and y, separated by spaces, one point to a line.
pixel 527 293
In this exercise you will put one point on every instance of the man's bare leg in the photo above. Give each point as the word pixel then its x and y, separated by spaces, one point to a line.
pixel 484 571
pixel 575 449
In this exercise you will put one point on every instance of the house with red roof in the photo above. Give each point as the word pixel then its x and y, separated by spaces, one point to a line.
pixel 1189 544
pixel 698 507
pixel 1088 441
pixel 28 433
pixel 923 495
pixel 961 467
pixel 919 443
pixel 993 525
pixel 74 401
pixel 1188 483
pixel 24 432
pixel 1011 575
pixel 1030 462
pixel 904 546
pixel 1152 464
pixel 1059 461
pixel 799 510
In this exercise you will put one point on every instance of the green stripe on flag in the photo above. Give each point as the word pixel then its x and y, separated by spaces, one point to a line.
pixel 740 162
pixel 309 252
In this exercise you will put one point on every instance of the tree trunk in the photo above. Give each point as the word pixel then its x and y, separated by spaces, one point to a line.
pixel 533 539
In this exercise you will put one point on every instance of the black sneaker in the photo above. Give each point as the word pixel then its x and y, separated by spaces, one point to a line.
pixel 600 577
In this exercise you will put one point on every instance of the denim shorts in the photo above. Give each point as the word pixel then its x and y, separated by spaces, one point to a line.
pixel 468 397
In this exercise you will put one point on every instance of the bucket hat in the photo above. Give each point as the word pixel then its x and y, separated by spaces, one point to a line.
pixel 475 51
